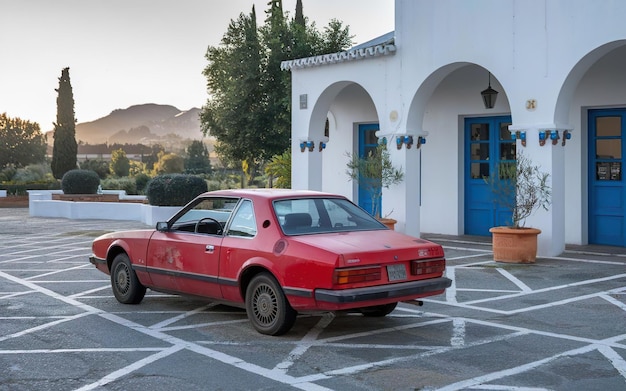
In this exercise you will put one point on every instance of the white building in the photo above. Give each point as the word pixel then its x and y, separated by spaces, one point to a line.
pixel 558 65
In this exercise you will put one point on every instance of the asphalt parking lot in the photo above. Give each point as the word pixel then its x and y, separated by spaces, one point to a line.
pixel 559 324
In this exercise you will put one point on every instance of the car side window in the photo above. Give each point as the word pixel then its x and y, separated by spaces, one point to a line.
pixel 206 216
pixel 243 223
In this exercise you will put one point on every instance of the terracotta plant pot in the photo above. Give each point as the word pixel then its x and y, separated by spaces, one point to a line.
pixel 514 245
pixel 390 223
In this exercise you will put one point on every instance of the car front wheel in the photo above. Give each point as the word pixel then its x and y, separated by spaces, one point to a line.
pixel 267 307
pixel 126 286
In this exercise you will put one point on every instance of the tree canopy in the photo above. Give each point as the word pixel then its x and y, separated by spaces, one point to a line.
pixel 249 109
pixel 197 160
pixel 21 142
pixel 65 147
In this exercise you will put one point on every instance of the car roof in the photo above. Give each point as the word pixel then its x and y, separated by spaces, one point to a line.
pixel 270 193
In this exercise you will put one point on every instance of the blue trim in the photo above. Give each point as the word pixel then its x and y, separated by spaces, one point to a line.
pixel 480 211
pixel 365 145
pixel 607 209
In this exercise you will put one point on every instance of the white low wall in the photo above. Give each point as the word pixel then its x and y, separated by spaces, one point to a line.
pixel 3 193
pixel 41 204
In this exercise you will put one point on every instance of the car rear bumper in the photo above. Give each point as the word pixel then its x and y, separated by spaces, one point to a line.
pixel 401 290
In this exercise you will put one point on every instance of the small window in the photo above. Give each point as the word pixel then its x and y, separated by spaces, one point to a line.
pixel 244 223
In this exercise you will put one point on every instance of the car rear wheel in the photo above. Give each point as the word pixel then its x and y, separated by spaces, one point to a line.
pixel 126 286
pixel 379 310
pixel 267 307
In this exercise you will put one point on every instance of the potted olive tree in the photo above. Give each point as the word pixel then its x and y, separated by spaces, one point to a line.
pixel 521 188
pixel 375 172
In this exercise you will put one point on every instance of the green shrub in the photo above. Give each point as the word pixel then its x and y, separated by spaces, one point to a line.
pixel 80 182
pixel 126 184
pixel 101 167
pixel 174 189
pixel 141 182
pixel 7 173
pixel 33 173
pixel 22 187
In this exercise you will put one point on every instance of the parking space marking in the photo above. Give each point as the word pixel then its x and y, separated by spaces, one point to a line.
pixel 610 348
pixel 167 322
pixel 514 280
pixel 130 368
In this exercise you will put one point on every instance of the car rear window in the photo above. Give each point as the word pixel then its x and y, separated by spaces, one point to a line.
pixel 322 215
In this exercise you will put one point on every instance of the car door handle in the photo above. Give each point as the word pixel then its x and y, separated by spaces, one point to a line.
pixel 210 248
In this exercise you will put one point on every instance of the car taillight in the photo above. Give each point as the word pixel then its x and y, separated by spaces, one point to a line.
pixel 355 275
pixel 430 252
pixel 436 266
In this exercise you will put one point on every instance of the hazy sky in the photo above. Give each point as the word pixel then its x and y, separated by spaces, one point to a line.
pixel 127 52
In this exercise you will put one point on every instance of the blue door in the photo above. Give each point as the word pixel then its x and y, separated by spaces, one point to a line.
pixel 367 143
pixel 607 129
pixel 487 144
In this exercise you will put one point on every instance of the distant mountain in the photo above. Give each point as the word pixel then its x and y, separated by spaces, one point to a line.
pixel 141 124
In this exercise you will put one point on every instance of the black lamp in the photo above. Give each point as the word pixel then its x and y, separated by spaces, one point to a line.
pixel 489 95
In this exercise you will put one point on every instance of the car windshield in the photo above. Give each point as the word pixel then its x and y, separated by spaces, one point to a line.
pixel 322 215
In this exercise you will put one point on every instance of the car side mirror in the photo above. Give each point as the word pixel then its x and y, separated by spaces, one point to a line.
pixel 161 226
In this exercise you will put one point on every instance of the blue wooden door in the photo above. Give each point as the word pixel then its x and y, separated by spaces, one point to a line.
pixel 487 144
pixel 367 143
pixel 607 129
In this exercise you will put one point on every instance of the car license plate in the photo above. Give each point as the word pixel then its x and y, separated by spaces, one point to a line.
pixel 396 272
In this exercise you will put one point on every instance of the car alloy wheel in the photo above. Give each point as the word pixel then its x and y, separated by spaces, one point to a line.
pixel 267 307
pixel 126 286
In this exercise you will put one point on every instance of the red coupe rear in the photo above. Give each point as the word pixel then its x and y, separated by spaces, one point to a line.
pixel 276 253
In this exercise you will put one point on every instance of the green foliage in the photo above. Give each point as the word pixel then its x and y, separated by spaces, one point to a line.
pixel 120 165
pixel 250 105
pixel 21 188
pixel 280 169
pixel 153 157
pixel 7 173
pixel 33 177
pixel 141 182
pixel 521 188
pixel 101 167
pixel 137 168
pixel 169 163
pixel 374 172
pixel 21 142
pixel 65 148
pixel 127 184
pixel 80 182
pixel 174 189
pixel 33 173
pixel 197 161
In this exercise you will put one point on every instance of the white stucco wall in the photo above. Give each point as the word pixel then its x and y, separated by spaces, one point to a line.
pixel 539 50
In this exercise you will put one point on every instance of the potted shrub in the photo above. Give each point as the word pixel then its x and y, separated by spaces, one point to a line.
pixel 523 189
pixel 375 172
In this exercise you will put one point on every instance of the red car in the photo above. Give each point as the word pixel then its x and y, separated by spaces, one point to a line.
pixel 276 253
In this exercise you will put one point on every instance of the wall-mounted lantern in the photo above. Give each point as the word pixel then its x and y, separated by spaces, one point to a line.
pixel 489 95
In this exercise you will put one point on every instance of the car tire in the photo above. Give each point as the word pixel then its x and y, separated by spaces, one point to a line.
pixel 267 307
pixel 378 310
pixel 126 286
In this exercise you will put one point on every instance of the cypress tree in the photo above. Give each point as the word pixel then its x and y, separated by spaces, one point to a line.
pixel 65 148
